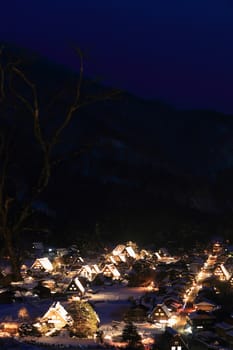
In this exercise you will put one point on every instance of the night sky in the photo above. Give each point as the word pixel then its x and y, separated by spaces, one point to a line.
pixel 180 51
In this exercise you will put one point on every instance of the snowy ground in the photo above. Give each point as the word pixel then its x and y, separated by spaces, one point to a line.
pixel 111 302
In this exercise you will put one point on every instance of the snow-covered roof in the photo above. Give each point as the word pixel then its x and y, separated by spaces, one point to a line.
pixel 118 250
pixel 130 251
pixel 164 308
pixel 79 284
pixel 112 260
pixel 44 263
pixel 121 249
pixel 112 268
pixel 58 308
pixel 95 268
pixel 122 257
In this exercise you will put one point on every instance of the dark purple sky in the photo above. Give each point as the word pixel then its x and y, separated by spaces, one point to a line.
pixel 180 51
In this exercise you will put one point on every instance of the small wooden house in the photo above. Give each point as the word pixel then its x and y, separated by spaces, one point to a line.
pixel 75 287
pixel 89 271
pixel 118 249
pixel 160 314
pixel 86 272
pixel 42 265
pixel 111 271
pixel 124 250
pixel 56 317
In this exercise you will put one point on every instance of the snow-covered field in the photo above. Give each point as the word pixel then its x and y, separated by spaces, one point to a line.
pixel 110 302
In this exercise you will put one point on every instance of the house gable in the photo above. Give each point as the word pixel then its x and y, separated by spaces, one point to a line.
pixel 160 313
pixel 222 273
pixel 57 316
pixel 42 264
pixel 89 271
pixel 75 286
pixel 110 270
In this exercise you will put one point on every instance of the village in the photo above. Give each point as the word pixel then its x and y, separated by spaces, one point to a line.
pixel 125 296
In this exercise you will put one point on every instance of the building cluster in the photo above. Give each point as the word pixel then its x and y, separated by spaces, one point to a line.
pixel 187 298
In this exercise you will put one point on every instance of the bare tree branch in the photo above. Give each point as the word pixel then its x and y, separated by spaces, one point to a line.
pixel 74 106
pixel 32 107
pixel 71 155
pixel 12 222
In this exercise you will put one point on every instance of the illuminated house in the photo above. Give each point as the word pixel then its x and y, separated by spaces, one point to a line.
pixel 89 271
pixel 160 313
pixel 75 287
pixel 123 250
pixel 42 264
pixel 222 273
pixel 205 305
pixel 110 270
pixel 116 259
pixel 112 259
pixel 56 317
pixel 118 249
pixel 75 261
pixel 86 272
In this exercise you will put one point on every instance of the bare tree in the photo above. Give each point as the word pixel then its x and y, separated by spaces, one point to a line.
pixel 16 210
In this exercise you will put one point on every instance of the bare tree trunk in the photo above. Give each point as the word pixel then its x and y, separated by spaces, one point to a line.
pixel 14 259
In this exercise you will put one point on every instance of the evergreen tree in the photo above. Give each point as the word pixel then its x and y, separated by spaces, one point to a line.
pixel 85 319
pixel 131 335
